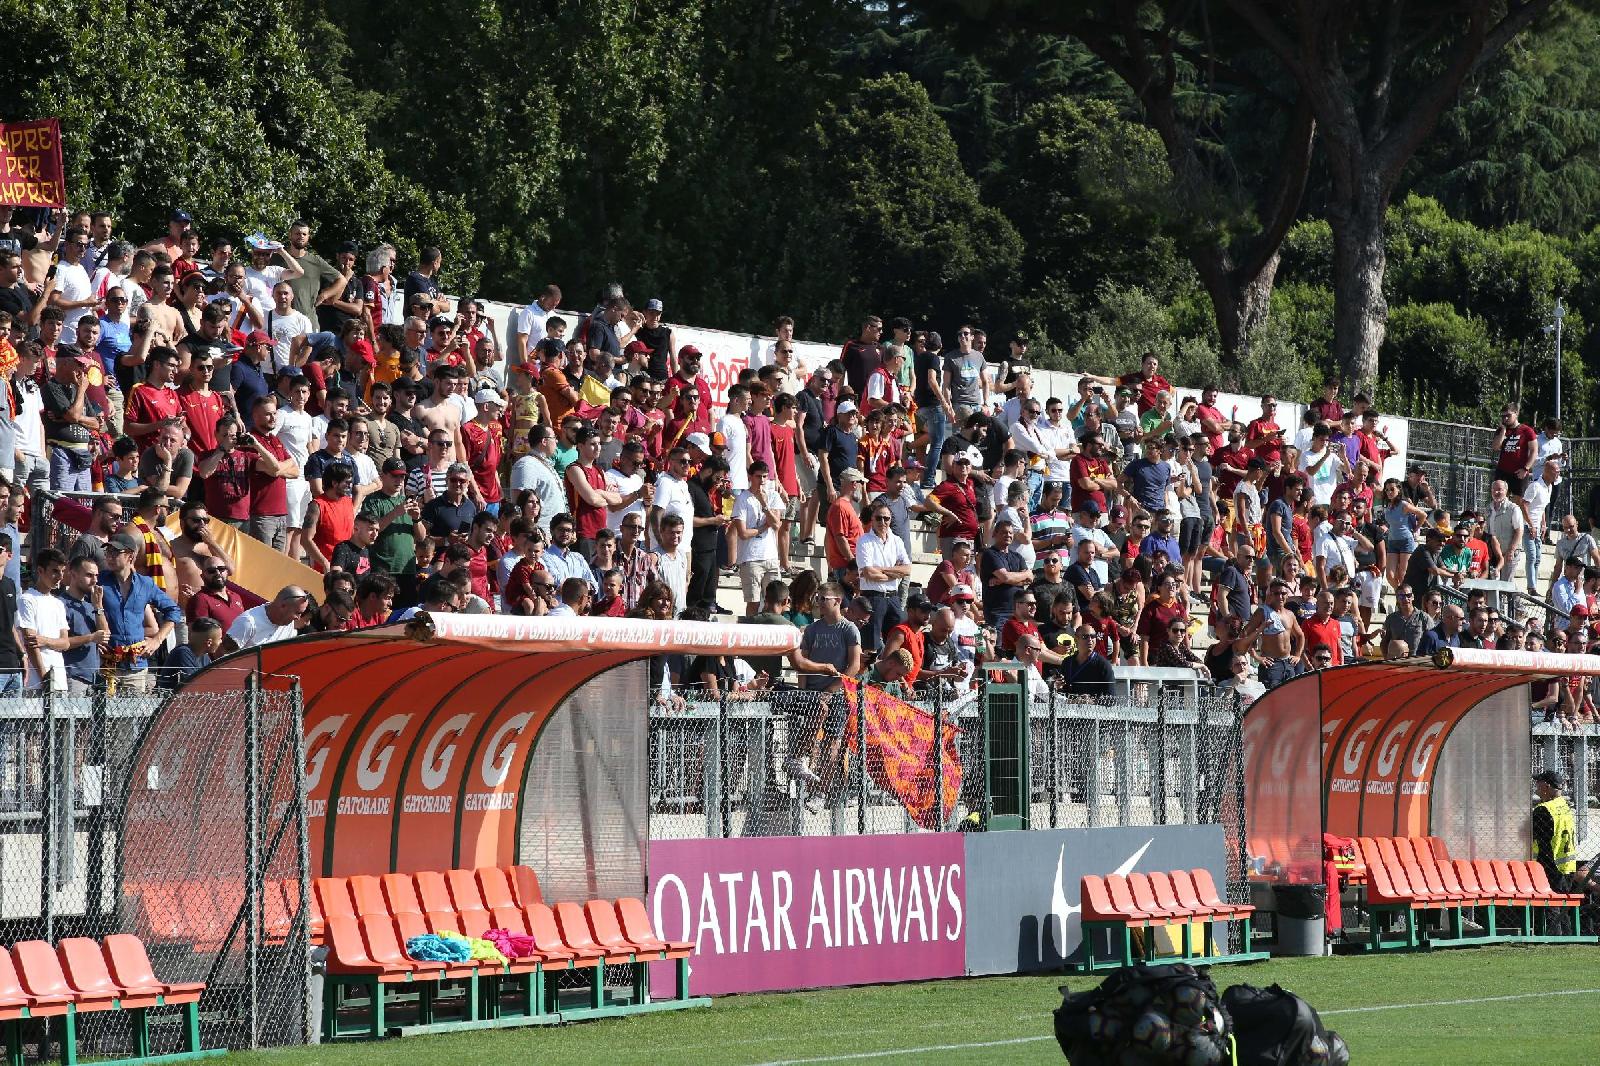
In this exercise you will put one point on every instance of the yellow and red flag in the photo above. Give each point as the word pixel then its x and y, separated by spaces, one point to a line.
pixel 899 746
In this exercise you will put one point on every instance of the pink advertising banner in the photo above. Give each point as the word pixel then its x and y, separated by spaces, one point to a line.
pixel 810 912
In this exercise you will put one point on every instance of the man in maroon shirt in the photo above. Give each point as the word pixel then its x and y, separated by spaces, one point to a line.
pixel 214 599
pixel 956 494
pixel 1328 408
pixel 1264 436
pixel 1515 446
pixel 1091 474
pixel 863 356
pixel 269 492
pixel 1210 417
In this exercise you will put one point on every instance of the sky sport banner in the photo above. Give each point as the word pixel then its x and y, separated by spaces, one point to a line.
pixel 31 174
pixel 811 912
pixel 899 739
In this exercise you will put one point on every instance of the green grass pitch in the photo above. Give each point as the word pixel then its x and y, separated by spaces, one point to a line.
pixel 1522 1005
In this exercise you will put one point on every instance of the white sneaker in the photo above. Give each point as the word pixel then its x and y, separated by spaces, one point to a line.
pixel 800 770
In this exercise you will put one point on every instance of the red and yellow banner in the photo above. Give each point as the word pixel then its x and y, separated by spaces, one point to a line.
pixel 31 173
pixel 899 738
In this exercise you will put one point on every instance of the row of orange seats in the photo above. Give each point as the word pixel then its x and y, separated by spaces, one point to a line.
pixel 382 913
pixel 1146 900
pixel 81 976
pixel 1418 872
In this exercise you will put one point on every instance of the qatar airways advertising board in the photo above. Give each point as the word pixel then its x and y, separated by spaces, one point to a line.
pixel 811 912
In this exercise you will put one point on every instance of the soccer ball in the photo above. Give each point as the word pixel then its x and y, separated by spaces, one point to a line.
pixel 1152 1031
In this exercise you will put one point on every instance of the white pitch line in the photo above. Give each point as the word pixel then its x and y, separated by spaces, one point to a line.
pixel 858 1056
pixel 896 1052
pixel 1459 1002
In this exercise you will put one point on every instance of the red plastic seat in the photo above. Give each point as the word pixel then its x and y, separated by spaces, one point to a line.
pixel 464 892
pixel 13 997
pixel 498 896
pixel 437 906
pixel 1183 889
pixel 84 966
pixel 636 927
pixel 1544 897
pixel 347 953
pixel 576 934
pixel 525 885
pixel 1145 897
pixel 130 967
pixel 39 968
pixel 1122 899
pixel 334 895
pixel 1420 871
pixel 1489 883
pixel 1436 845
pixel 1095 899
pixel 1508 881
pixel 548 939
pixel 384 949
pixel 607 930
pixel 367 893
pixel 1541 882
pixel 1167 896
pixel 1206 889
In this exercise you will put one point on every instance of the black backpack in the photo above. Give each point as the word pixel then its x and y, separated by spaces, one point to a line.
pixel 1274 1027
pixel 1145 1016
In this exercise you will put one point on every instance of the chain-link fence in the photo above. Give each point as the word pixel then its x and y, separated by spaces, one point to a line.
pixel 1574 751
pixel 97 837
pixel 1457 459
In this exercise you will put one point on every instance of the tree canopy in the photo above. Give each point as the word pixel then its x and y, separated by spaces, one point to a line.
pixel 1102 175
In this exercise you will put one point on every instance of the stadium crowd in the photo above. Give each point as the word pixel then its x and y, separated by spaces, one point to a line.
pixel 580 467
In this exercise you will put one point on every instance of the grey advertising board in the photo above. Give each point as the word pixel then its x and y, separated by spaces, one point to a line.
pixel 1022 887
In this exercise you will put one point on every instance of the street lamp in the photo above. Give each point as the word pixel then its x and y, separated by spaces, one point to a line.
pixel 1560 313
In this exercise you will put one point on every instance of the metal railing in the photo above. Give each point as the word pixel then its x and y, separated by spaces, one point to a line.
pixel 1574 751
pixel 726 767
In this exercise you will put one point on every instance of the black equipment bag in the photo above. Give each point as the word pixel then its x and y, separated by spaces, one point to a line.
pixel 1274 1027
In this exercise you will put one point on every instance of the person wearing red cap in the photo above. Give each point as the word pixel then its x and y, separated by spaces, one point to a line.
pixel 153 403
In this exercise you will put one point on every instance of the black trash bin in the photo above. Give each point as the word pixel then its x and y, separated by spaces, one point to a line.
pixel 1301 919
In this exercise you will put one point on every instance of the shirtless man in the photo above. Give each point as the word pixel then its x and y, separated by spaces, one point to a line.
pixel 1283 642
pixel 440 412
pixel 166 326
pixel 193 547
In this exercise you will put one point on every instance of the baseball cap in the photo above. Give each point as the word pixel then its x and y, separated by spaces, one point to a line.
pixel 1089 507
pixel 394 465
pixel 653 305
pixel 1551 778
pixel 962 592
pixel 844 408
pixel 633 347
pixel 852 475
pixel 1580 609
pixel 446 319
pixel 125 542
pixel 483 396
pixel 698 440
pixel 70 351
pixel 348 248
pixel 291 372
pixel 919 602
pixel 688 351
pixel 258 336
pixel 182 216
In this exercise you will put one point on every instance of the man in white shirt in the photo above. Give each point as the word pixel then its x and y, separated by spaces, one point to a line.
pixel 882 562
pixel 672 559
pixel 286 327
pixel 1085 527
pixel 299 438
pixel 1506 527
pixel 72 292
pixel 626 478
pixel 757 514
pixel 537 471
pixel 1335 546
pixel 1535 505
pixel 735 438
pixel 42 624
pixel 270 622
pixel 672 492
pixel 263 275
pixel 528 330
